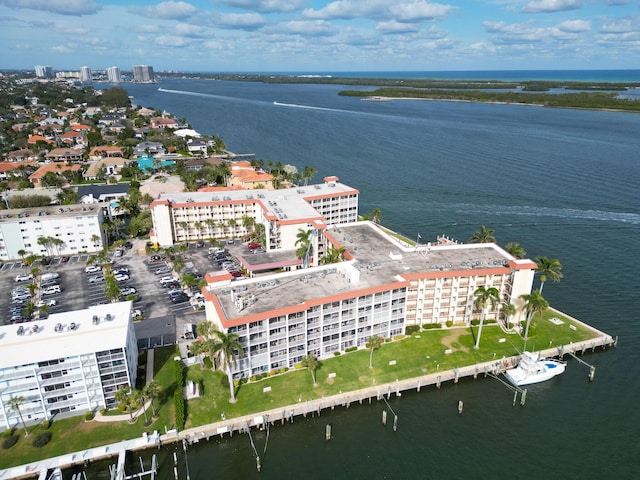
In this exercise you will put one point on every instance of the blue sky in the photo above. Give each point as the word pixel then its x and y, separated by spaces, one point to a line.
pixel 317 36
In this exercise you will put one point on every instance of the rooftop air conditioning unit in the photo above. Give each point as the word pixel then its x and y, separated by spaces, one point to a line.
pixel 96 320
pixel 73 326
pixel 108 317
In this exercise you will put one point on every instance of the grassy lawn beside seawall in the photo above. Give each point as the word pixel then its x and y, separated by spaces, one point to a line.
pixel 425 352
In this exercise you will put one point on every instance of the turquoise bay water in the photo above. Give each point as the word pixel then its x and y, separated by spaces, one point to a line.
pixel 564 183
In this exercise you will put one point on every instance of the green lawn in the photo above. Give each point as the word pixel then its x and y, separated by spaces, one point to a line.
pixel 417 355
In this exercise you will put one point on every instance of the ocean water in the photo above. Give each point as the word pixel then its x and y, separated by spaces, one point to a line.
pixel 563 183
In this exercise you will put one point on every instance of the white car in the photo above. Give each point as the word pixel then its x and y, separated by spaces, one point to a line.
pixel 93 269
pixel 121 277
pixel 50 290
pixel 23 277
pixel 48 303
pixel 168 279
pixel 96 279
pixel 136 313
pixel 128 291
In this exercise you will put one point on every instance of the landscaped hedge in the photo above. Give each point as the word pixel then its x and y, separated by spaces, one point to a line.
pixel 431 326
pixel 41 440
pixel 178 396
pixel 9 441
pixel 411 329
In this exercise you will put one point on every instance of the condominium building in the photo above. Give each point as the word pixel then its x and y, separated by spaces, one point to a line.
pixel 183 217
pixel 143 74
pixel 86 75
pixel 43 71
pixel 70 363
pixel 114 75
pixel 382 286
pixel 59 230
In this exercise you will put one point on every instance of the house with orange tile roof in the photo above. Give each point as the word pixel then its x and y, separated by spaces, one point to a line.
pixel 21 155
pixel 8 168
pixel 73 137
pixel 81 128
pixel 64 155
pixel 33 139
pixel 163 122
pixel 245 176
pixel 56 168
pixel 104 151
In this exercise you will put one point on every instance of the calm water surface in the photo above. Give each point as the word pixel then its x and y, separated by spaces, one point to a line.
pixel 563 183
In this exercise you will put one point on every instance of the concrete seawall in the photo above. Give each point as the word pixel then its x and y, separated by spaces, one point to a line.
pixel 309 407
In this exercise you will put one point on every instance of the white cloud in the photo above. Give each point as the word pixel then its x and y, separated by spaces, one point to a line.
pixel 171 41
pixel 417 11
pixel 545 6
pixel 61 49
pixel 60 7
pixel 311 28
pixel 264 6
pixel 167 10
pixel 574 26
pixel 621 25
pixel 404 11
pixel 393 26
pixel 241 21
pixel 189 30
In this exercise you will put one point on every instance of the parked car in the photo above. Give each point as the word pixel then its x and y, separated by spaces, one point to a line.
pixel 253 245
pixel 118 252
pixel 168 279
pixel 51 289
pixel 96 279
pixel 157 258
pixel 128 245
pixel 136 313
pixel 49 276
pixel 92 269
pixel 124 270
pixel 258 250
pixel 21 296
pixel 48 303
pixel 121 277
pixel 24 277
pixel 199 244
pixel 180 298
pixel 64 259
pixel 162 271
pixel 127 290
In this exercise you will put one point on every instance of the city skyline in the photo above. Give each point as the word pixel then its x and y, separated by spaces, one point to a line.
pixel 299 35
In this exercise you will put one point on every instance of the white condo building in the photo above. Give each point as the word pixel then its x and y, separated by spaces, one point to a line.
pixel 182 217
pixel 43 71
pixel 143 74
pixel 86 75
pixel 114 75
pixel 70 363
pixel 76 228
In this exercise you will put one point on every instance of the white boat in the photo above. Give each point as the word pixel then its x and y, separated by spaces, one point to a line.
pixel 533 369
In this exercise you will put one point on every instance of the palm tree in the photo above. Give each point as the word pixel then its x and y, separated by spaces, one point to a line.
pixel 199 227
pixel 509 309
pixel 307 173
pixel 210 223
pixel 548 268
pixel 303 240
pixel 485 235
pixel 534 303
pixel 515 249
pixel 375 215
pixel 333 255
pixel 312 363
pixel 46 243
pixel 15 403
pixel 125 395
pixel 95 239
pixel 374 343
pixel 151 391
pixel 483 296
pixel 226 350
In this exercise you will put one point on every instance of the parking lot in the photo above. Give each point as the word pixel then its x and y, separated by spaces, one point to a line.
pixel 77 292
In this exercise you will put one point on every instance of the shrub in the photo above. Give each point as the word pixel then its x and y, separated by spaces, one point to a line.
pixel 103 411
pixel 207 362
pixel 242 381
pixel 351 349
pixel 252 378
pixel 178 397
pixel 431 326
pixel 9 441
pixel 449 323
pixel 475 323
pixel 399 337
pixel 41 440
pixel 387 340
pixel 411 329
pixel 336 354
pixel 122 407
pixel 88 416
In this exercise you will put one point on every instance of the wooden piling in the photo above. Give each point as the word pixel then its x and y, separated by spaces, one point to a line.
pixel 384 418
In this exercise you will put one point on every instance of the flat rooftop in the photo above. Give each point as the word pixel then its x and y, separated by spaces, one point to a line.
pixel 378 260
pixel 288 203
pixel 65 334
pixel 13 214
